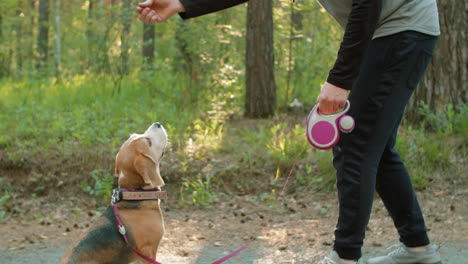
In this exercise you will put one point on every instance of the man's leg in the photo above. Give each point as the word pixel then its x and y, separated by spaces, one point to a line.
pixel 396 191
pixel 378 99
pixel 395 188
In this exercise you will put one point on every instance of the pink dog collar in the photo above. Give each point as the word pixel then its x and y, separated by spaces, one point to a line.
pixel 137 195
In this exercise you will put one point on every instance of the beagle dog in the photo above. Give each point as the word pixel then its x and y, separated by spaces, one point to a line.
pixel 137 201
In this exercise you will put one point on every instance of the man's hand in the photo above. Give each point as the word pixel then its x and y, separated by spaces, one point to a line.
pixel 157 11
pixel 331 98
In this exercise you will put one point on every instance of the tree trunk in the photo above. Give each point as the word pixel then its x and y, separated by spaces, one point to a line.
pixel 90 28
pixel 43 37
pixel 3 64
pixel 445 81
pixel 189 61
pixel 29 33
pixel 19 43
pixel 148 45
pixel 58 60
pixel 260 96
pixel 1 27
pixel 127 11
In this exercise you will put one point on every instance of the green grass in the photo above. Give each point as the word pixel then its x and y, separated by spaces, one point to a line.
pixel 76 126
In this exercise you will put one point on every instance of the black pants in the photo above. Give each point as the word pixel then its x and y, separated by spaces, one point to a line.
pixel 365 159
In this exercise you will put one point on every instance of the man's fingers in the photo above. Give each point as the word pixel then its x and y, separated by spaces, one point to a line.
pixel 144 15
pixel 145 12
pixel 139 9
pixel 328 106
pixel 155 19
pixel 147 18
pixel 146 3
pixel 143 18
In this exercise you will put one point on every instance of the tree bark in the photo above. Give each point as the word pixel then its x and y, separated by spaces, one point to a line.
pixel 90 28
pixel 43 37
pixel 1 27
pixel 19 43
pixel 58 51
pixel 189 61
pixel 260 96
pixel 29 33
pixel 127 11
pixel 148 45
pixel 445 81
pixel 3 57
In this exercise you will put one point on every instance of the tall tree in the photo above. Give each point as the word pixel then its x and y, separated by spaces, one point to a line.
pixel 43 37
pixel 260 96
pixel 148 45
pixel 58 60
pixel 3 64
pixel 446 77
pixel 190 60
pixel 90 29
pixel 19 39
pixel 1 26
pixel 124 36
pixel 31 13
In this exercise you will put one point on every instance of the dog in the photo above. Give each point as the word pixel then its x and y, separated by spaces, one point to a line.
pixel 139 180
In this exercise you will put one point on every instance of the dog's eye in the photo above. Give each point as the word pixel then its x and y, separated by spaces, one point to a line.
pixel 149 141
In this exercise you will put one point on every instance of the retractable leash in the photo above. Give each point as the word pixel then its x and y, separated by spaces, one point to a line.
pixel 323 131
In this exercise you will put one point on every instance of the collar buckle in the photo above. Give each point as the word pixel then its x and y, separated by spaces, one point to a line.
pixel 115 196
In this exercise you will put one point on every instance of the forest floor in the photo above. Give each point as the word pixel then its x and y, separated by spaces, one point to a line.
pixel 297 228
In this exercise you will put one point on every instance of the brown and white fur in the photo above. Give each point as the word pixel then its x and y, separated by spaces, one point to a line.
pixel 137 167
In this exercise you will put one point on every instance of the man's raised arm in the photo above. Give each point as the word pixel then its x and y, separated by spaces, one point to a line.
pixel 194 8
pixel 156 11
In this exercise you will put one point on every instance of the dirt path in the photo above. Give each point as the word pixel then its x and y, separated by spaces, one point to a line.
pixel 300 231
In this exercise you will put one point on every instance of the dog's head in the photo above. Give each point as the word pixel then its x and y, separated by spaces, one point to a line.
pixel 137 162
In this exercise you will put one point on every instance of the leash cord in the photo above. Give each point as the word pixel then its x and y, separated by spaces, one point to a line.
pixel 121 228
pixel 276 201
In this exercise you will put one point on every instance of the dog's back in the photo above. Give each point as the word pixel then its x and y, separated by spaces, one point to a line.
pixel 102 243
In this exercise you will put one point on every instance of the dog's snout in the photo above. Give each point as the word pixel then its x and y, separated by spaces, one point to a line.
pixel 157 124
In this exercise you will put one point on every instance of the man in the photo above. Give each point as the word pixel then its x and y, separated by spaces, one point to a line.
pixel 386 47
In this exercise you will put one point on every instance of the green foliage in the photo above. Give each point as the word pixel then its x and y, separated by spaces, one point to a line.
pixel 194 87
pixel 306 43
pixel 445 121
pixel 325 174
pixel 198 191
pixel 101 186
pixel 424 153
pixel 285 146
pixel 4 197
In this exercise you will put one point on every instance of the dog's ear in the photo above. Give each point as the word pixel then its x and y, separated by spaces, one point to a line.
pixel 116 168
pixel 146 165
pixel 148 169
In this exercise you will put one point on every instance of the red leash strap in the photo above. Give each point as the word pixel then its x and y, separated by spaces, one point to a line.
pixel 233 253
pixel 123 232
